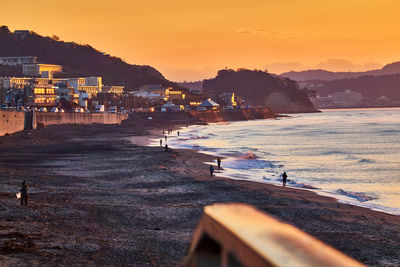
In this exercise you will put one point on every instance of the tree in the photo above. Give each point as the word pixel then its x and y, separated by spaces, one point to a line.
pixel 4 29
pixel 55 37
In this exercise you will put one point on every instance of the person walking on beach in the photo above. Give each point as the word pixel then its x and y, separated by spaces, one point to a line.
pixel 160 142
pixel 211 170
pixel 178 133
pixel 166 147
pixel 165 137
pixel 163 132
pixel 284 177
pixel 24 193
pixel 219 163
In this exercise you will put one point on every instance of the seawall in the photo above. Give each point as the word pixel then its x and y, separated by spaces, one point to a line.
pixel 15 121
pixel 11 122
pixel 78 118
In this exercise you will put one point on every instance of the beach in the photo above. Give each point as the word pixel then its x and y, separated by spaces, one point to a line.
pixel 99 197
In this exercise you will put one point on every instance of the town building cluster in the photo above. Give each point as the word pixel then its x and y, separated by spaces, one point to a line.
pixel 42 86
pixel 39 88
pixel 348 99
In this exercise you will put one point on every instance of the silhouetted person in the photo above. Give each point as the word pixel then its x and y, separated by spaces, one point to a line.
pixel 163 132
pixel 211 170
pixel 178 133
pixel 24 193
pixel 160 142
pixel 219 163
pixel 165 137
pixel 166 147
pixel 284 177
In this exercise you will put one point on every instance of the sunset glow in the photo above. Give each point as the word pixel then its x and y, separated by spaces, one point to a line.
pixel 191 40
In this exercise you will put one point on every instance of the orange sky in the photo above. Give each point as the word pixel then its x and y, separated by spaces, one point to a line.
pixel 192 39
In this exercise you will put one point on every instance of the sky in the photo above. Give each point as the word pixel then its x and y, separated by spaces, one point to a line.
pixel 188 40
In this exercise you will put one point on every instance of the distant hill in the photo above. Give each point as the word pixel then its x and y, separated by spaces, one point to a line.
pixel 314 75
pixel 78 60
pixel 198 85
pixel 368 86
pixel 261 88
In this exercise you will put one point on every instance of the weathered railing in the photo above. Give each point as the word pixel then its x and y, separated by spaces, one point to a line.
pixel 239 235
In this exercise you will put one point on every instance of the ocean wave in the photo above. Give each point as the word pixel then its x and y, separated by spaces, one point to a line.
pixel 366 161
pixel 249 155
pixel 240 155
pixel 248 164
pixel 291 182
pixel 192 137
pixel 360 196
pixel 332 152
pixel 204 148
pixel 301 185
pixel 389 131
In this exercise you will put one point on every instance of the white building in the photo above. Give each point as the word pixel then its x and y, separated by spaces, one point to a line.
pixel 91 85
pixel 43 70
pixel 209 105
pixel 119 90
pixel 347 98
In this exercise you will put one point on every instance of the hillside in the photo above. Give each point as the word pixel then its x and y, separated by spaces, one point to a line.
pixel 78 60
pixel 261 88
pixel 369 86
pixel 313 75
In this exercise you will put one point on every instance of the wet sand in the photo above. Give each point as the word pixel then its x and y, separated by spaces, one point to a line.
pixel 98 199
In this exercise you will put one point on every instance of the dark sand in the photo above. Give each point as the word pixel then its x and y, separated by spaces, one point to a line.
pixel 97 199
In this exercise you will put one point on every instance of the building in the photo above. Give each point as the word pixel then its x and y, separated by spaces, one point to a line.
pixel 14 82
pixel 209 105
pixel 157 92
pixel 147 95
pixel 90 85
pixel 228 99
pixel 170 107
pixel 175 95
pixel 15 61
pixel 347 99
pixel 42 70
pixel 119 90
pixel 40 95
pixel 22 34
pixel 40 91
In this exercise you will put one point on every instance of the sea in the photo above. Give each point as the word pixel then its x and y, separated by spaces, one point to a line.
pixel 352 155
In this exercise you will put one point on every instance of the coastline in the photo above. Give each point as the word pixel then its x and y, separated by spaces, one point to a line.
pixel 212 141
pixel 139 204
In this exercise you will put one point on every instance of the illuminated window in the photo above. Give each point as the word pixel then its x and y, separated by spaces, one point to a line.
pixel 49 91
pixel 39 90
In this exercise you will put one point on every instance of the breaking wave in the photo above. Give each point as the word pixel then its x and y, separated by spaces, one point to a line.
pixel 360 196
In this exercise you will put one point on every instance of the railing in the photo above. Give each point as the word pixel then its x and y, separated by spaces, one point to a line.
pixel 239 235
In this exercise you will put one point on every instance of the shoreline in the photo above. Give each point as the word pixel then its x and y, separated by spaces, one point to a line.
pixel 98 199
pixel 345 197
pixel 220 174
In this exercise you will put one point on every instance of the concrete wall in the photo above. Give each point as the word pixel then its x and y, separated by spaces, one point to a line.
pixel 51 118
pixel 15 121
pixel 11 121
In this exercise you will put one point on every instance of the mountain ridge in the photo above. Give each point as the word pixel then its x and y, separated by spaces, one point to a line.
pixel 325 75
